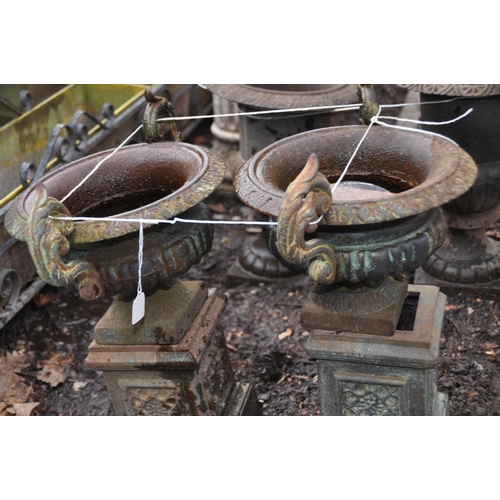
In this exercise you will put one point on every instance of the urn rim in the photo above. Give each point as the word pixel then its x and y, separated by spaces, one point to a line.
pixel 201 177
pixel 257 96
pixel 446 170
pixel 454 89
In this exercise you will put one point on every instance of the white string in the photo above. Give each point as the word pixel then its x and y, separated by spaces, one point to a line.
pixel 339 180
pixel 374 119
pixel 198 117
pixel 420 122
pixel 140 257
pixel 421 103
pixel 139 304
pixel 94 170
pixel 167 221
pixel 341 107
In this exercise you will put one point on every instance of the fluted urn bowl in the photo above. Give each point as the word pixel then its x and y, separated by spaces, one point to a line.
pixel 383 222
pixel 142 182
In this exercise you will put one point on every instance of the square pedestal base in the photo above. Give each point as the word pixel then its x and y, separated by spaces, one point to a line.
pixel 373 375
pixel 193 377
pixel 169 315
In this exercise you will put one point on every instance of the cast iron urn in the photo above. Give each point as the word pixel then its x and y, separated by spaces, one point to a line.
pixel 382 222
pixel 468 258
pixel 173 359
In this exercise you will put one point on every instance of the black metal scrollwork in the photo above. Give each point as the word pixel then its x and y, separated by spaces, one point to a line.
pixel 66 142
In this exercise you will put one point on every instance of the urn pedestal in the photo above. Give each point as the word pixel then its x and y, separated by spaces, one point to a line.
pixel 179 364
pixel 226 133
pixel 358 244
pixel 373 375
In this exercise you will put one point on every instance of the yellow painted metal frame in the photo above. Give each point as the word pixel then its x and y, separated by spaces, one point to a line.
pixel 25 138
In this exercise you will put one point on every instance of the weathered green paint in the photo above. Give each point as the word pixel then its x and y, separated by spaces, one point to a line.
pixel 368 375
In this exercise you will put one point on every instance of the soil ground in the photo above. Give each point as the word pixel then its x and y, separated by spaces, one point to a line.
pixel 264 337
pixel 42 350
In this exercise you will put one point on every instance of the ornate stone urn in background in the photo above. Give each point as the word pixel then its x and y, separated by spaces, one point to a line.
pixel 468 259
pixel 174 361
pixel 382 222
pixel 254 262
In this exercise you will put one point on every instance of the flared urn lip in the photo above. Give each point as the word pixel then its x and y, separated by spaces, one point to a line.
pixel 255 95
pixel 436 171
pixel 455 89
pixel 194 172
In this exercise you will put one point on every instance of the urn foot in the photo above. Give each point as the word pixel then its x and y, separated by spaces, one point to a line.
pixel 360 309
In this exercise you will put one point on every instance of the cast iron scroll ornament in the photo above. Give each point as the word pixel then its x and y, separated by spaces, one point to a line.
pixel 154 130
pixel 307 198
pixel 47 242
pixel 370 108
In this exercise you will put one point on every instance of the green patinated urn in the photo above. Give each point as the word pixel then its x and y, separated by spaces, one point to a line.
pixel 100 257
pixel 358 245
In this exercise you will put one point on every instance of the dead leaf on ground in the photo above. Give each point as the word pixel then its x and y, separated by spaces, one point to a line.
pixel 218 208
pixel 43 299
pixel 287 333
pixel 26 409
pixel 55 371
pixel 491 345
pixel 79 384
pixel 13 389
pixel 3 409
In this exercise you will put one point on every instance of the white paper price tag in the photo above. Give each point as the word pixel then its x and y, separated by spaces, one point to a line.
pixel 138 308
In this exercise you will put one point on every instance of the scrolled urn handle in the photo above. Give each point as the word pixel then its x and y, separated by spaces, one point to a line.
pixel 307 198
pixel 46 237
pixel 154 130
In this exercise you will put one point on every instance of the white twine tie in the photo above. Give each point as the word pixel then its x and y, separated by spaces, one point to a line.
pixel 139 304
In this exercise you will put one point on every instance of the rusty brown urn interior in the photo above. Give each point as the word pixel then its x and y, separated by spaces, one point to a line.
pixel 145 181
pixel 360 253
